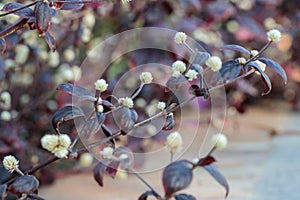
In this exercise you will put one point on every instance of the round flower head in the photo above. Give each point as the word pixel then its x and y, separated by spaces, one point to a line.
pixel 179 66
pixel 161 105
pixel 57 144
pixel 191 74
pixel 127 102
pixel 107 152
pixel 254 53
pixel 49 142
pixel 101 85
pixel 174 142
pixel 100 108
pixel 180 37
pixel 5 116
pixel 146 77
pixel 215 63
pixel 10 163
pixel 274 35
pixel 220 141
pixel 86 160
pixel 242 60
pixel 261 65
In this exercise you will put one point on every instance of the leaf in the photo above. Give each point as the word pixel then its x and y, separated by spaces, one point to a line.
pixel 24 13
pixel 184 197
pixel 229 71
pixel 264 76
pixel 195 90
pixel 50 41
pixel 3 188
pixel 174 83
pixel 213 171
pixel 99 171
pixel 197 68
pixel 145 195
pixel 128 119
pixel 78 91
pixel 235 47
pixel 200 58
pixel 170 122
pixel 176 176
pixel 71 6
pixel 206 161
pixel 2 45
pixel 112 168
pixel 43 13
pixel 24 184
pixel 65 114
pixel 275 66
pixel 107 132
pixel 2 69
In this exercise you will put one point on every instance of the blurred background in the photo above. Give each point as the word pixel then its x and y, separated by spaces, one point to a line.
pixel 260 161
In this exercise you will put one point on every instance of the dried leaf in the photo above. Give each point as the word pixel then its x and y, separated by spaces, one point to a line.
pixel 200 58
pixel 50 41
pixel 24 184
pixel 275 66
pixel 24 13
pixel 3 188
pixel 78 91
pixel 2 45
pixel 43 13
pixel 214 172
pixel 99 172
pixel 177 176
pixel 229 71
pixel 184 197
pixel 235 47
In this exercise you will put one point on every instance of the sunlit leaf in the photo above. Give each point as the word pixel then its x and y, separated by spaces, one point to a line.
pixel 78 91
pixel 71 6
pixel 184 197
pixel 128 119
pixel 24 185
pixel 275 66
pixel 235 47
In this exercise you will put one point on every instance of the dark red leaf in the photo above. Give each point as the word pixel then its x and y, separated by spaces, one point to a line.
pixel 235 47
pixel 99 172
pixel 184 197
pixel 214 172
pixel 50 41
pixel 43 13
pixel 78 91
pixel 275 66
pixel 206 161
pixel 264 76
pixel 24 184
pixel 199 58
pixel 2 45
pixel 145 195
pixel 24 13
pixel 3 188
pixel 65 114
pixel 229 71
pixel 169 123
pixel 176 176
pixel 107 132
pixel 112 168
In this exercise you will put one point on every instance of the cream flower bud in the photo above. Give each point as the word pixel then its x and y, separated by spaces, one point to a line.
pixel 242 60
pixel 61 152
pixel 174 142
pixel 191 74
pixel 86 160
pixel 5 100
pixel 180 37
pixel 261 65
pixel 101 85
pixel 127 102
pixel 254 53
pixel 100 108
pixel 215 63
pixel 161 105
pixel 49 142
pixel 179 66
pixel 274 35
pixel 5 116
pixel 176 74
pixel 107 152
pixel 195 161
pixel 146 77
pixel 10 163
pixel 69 55
pixel 64 141
pixel 220 141
pixel 57 144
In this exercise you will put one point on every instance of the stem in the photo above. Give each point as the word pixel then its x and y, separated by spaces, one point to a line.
pixel 149 119
pixel 172 157
pixel 21 23
pixel 188 46
pixel 19 171
pixel 138 91
pixel 259 53
pixel 18 9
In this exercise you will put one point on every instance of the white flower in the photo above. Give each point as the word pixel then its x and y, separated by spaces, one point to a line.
pixel 161 105
pixel 195 161
pixel 254 53
pixel 174 142
pixel 215 63
pixel 101 85
pixel 5 116
pixel 179 66
pixel 220 141
pixel 86 160
pixel 180 37
pixel 127 102
pixel 100 108
pixel 274 35
pixel 261 65
pixel 191 74
pixel 176 74
pixel 5 100
pixel 242 60
pixel 10 163
pixel 146 77
pixel 57 144
pixel 107 153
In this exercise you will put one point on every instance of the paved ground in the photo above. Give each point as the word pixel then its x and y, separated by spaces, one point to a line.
pixel 257 166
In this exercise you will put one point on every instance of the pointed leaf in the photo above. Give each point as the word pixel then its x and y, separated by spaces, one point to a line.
pixel 235 47
pixel 206 161
pixel 43 14
pixel 78 91
pixel 177 176
pixel 107 132
pixel 264 76
pixel 184 197
pixel 145 195
pixel 2 45
pixel 275 66
pixel 24 13
pixel 213 171
pixel 65 114
pixel 99 171
pixel 50 41
pixel 3 188
pixel 200 58
pixel 229 71
pixel 69 5
pixel 24 185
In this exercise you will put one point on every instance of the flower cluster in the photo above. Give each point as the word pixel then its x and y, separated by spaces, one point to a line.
pixel 215 63
pixel 146 78
pixel 10 163
pixel 127 102
pixel 274 35
pixel 180 37
pixel 161 105
pixel 101 85
pixel 174 142
pixel 57 144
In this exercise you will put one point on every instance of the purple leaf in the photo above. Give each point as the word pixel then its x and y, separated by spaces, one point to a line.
pixel 177 176
pixel 24 184
pixel 43 13
pixel 214 172
pixel 200 58
pixel 71 6
pixel 112 168
pixel 169 123
pixel 24 13
pixel 235 47
pixel 276 67
pixel 78 91
pixel 184 197
pixel 229 71
pixel 145 195
pixel 99 172
pixel 50 41
pixel 128 117
pixel 3 188
pixel 2 45
pixel 264 76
